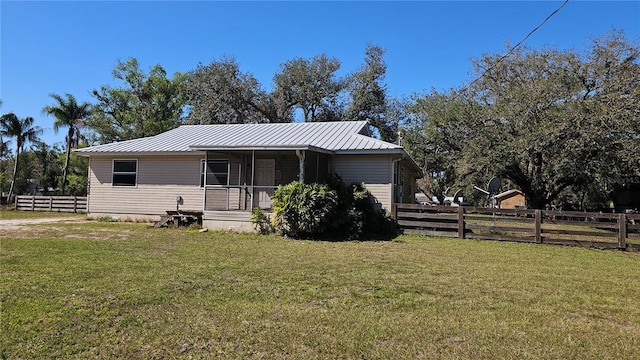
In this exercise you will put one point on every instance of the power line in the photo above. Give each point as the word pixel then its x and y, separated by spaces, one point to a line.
pixel 513 48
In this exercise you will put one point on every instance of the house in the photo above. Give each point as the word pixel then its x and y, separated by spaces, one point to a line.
pixel 227 170
pixel 510 199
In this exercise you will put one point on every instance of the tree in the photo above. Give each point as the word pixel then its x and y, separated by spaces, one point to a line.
pixel 4 147
pixel 69 114
pixel 220 93
pixel 310 85
pixel 434 135
pixel 147 105
pixel 23 131
pixel 559 119
pixel 549 121
pixel 48 167
pixel 369 95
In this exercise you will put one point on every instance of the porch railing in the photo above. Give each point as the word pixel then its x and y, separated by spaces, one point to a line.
pixel 237 197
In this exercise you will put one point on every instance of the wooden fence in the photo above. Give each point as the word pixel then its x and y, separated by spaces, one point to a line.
pixel 604 230
pixel 76 204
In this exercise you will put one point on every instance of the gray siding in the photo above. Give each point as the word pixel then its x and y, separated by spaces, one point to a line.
pixel 370 169
pixel 382 194
pixel 373 170
pixel 160 179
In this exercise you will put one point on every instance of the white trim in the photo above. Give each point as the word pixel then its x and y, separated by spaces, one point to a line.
pixel 369 152
pixel 393 179
pixel 205 162
pixel 260 148
pixel 113 172
pixel 134 153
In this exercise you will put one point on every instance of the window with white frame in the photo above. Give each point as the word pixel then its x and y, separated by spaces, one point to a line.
pixel 216 171
pixel 125 172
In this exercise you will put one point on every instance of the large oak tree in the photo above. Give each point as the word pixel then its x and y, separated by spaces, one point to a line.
pixel 146 104
pixel 549 121
pixel 220 93
pixel 312 86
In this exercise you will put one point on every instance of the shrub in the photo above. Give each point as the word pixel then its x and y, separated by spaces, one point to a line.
pixel 362 218
pixel 303 210
pixel 261 221
pixel 335 209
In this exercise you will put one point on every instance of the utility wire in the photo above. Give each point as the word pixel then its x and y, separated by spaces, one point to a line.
pixel 513 48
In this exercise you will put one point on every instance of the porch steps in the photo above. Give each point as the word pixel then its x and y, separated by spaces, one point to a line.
pixel 164 220
pixel 228 220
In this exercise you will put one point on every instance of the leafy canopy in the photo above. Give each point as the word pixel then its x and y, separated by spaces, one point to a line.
pixel 549 121
pixel 146 105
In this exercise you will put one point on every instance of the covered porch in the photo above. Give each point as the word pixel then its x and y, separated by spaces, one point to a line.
pixel 241 180
pixel 237 181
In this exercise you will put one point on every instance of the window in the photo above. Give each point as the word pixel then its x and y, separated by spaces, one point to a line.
pixel 125 172
pixel 217 172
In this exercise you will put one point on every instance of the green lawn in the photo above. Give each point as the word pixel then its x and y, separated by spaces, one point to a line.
pixel 119 290
pixel 13 214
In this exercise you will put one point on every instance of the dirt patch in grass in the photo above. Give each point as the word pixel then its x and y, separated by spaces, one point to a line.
pixel 19 224
pixel 80 229
pixel 102 235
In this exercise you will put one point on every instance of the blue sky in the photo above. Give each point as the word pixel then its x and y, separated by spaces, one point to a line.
pixel 72 46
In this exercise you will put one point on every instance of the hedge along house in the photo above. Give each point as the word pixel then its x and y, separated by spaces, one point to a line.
pixel 226 171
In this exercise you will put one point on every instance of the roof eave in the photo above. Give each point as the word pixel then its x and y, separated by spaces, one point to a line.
pixel 136 153
pixel 260 148
pixel 369 151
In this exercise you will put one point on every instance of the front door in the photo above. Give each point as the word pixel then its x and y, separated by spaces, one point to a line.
pixel 265 175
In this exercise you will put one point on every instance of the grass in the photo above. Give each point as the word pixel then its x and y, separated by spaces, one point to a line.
pixel 605 235
pixel 6 214
pixel 120 290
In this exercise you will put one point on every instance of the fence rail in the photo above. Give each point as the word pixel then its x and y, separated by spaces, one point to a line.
pixel 621 231
pixel 76 204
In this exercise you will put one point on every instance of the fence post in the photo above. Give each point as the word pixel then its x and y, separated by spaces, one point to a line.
pixel 622 231
pixel 538 214
pixel 50 203
pixel 461 222
pixel 33 203
pixel 75 204
pixel 394 212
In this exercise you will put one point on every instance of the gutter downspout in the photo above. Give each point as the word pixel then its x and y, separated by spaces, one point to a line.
pixel 301 156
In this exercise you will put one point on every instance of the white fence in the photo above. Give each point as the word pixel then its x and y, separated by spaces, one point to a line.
pixel 76 204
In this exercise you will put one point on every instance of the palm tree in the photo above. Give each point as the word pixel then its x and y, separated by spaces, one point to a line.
pixel 23 131
pixel 68 113
pixel 4 145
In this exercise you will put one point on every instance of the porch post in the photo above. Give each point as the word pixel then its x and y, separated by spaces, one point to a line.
pixel 301 155
pixel 204 180
pixel 253 173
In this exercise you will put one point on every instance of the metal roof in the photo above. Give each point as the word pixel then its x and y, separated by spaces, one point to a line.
pixel 335 137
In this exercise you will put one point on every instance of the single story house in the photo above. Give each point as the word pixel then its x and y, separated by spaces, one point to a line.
pixel 227 170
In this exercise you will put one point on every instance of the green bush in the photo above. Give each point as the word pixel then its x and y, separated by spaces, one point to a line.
pixel 261 221
pixel 360 217
pixel 303 211
pixel 334 209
